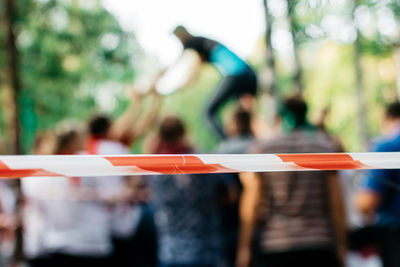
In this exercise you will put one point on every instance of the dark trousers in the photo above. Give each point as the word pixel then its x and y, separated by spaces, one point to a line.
pixel 62 260
pixel 304 258
pixel 186 265
pixel 140 249
pixel 385 238
pixel 231 87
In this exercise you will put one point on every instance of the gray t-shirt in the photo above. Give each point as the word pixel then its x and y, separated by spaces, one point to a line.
pixel 237 145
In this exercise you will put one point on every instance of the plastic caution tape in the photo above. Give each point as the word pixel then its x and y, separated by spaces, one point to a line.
pixel 113 165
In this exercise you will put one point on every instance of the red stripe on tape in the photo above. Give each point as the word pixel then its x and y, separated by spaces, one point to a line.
pixel 334 161
pixel 168 164
pixel 6 172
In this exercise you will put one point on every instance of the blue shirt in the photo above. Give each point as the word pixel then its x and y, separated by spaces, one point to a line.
pixel 379 182
pixel 227 62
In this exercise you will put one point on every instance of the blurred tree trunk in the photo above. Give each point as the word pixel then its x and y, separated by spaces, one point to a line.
pixel 396 57
pixel 13 71
pixel 297 77
pixel 15 85
pixel 269 52
pixel 362 114
pixel 269 96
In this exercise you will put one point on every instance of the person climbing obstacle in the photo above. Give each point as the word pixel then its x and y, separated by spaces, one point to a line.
pixel 239 80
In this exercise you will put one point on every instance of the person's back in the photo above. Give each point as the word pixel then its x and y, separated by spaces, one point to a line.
pixel 122 220
pixel 240 136
pixel 186 207
pixel 388 212
pixel 380 182
pixel 295 218
pixel 218 55
pixel 213 52
pixel 296 202
pixel 70 227
pixel 95 214
pixel 76 229
pixel 98 215
pixel 187 220
pixel 379 197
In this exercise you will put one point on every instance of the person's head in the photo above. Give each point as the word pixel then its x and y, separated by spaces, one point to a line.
pixel 391 119
pixel 99 126
pixel 182 34
pixel 240 123
pixel 171 137
pixel 69 142
pixel 293 113
pixel 171 130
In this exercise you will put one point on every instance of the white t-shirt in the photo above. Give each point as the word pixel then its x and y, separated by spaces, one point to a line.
pixel 58 219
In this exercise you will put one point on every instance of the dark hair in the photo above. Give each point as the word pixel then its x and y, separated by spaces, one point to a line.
pixel 242 120
pixel 171 129
pixel 99 125
pixel 64 140
pixel 181 30
pixel 295 110
pixel 182 34
pixel 393 110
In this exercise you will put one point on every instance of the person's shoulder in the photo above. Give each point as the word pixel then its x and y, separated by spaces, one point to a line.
pixel 237 145
pixel 327 142
pixel 267 145
pixel 223 147
pixel 194 40
pixel 385 144
pixel 200 38
pixel 313 139
pixel 112 147
pixel 199 41
pixel 305 141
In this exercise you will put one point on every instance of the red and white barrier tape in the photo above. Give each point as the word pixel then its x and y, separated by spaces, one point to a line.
pixel 112 165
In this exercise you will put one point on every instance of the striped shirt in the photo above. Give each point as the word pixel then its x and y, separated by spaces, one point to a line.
pixel 293 211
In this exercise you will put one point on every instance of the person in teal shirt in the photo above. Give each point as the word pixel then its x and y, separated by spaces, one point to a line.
pixel 239 80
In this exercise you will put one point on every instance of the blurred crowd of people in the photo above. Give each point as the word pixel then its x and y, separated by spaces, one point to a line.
pixel 326 218
pixel 321 218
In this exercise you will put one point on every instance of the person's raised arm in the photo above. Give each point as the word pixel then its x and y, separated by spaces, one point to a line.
pixel 182 74
pixel 149 117
pixel 132 123
pixel 247 211
pixel 121 127
pixel 193 68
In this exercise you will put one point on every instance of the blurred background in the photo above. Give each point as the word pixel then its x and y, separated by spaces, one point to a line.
pixel 76 57
pixel 63 61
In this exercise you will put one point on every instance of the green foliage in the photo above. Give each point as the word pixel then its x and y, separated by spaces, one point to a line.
pixel 331 84
pixel 375 47
pixel 67 53
pixel 71 54
pixel 190 103
pixel 328 66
